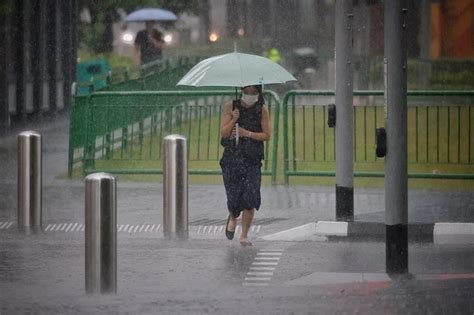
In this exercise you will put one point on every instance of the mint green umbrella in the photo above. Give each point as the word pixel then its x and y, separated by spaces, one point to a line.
pixel 236 70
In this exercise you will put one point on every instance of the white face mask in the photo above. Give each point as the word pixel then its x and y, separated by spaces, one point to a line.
pixel 249 99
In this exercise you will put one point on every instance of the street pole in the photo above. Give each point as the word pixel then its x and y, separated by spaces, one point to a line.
pixel 101 233
pixel 344 112
pixel 175 187
pixel 29 179
pixel 396 178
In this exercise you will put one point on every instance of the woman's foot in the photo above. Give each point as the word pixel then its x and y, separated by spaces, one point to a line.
pixel 230 227
pixel 245 242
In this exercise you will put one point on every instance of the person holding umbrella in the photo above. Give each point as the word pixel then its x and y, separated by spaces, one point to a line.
pixel 149 44
pixel 245 125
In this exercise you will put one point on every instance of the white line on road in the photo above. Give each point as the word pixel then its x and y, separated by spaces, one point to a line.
pixel 9 224
pixel 130 229
pixel 268 258
pixel 120 227
pixel 143 226
pixel 3 225
pixel 158 227
pixel 258 228
pixel 269 254
pixel 152 228
pixel 258 278
pixel 136 229
pixel 262 268
pixel 74 226
pixel 147 227
pixel 255 284
pixel 68 227
pixel 59 226
pixel 264 263
pixel 259 273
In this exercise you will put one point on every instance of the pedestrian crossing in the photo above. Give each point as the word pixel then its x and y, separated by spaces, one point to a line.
pixel 263 267
pixel 67 227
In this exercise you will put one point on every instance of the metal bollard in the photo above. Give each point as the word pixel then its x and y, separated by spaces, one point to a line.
pixel 101 233
pixel 29 179
pixel 175 187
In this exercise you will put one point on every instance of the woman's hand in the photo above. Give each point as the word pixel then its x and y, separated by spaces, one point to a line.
pixel 235 115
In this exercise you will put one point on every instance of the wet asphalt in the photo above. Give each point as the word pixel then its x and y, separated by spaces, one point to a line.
pixel 43 271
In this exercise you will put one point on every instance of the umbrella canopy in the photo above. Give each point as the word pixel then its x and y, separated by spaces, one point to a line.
pixel 151 14
pixel 237 70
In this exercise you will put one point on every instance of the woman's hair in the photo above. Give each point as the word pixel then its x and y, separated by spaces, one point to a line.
pixel 261 100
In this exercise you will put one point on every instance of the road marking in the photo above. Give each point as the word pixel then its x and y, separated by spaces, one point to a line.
pixel 9 224
pixel 59 226
pixel 158 227
pixel 147 227
pixel 267 258
pixel 265 263
pixel 3 225
pixel 258 278
pixel 256 284
pixel 262 268
pixel 136 229
pixel 143 226
pixel 269 254
pixel 260 273
pixel 74 227
pixel 68 227
pixel 120 227
pixel 152 228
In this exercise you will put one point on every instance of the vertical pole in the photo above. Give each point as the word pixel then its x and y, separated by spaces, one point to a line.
pixel 396 179
pixel 345 113
pixel 101 233
pixel 29 179
pixel 4 108
pixel 175 187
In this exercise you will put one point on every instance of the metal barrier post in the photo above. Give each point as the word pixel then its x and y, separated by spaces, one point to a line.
pixel 101 233
pixel 29 179
pixel 175 187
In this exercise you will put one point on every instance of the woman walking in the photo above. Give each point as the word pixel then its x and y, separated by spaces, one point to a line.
pixel 245 125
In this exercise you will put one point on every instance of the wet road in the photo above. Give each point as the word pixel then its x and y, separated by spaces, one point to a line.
pixel 44 272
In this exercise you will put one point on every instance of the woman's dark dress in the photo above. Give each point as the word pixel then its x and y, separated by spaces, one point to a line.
pixel 241 164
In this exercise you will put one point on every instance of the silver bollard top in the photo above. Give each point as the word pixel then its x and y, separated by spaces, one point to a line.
pixel 29 133
pixel 100 176
pixel 175 137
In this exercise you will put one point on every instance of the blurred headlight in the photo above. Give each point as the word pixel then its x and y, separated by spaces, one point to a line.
pixel 213 37
pixel 127 37
pixel 168 38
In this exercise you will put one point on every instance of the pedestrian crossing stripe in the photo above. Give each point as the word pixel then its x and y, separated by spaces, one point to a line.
pixel 263 267
pixel 5 225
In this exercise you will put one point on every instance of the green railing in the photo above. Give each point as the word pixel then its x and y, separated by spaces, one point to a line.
pixel 440 134
pixel 157 75
pixel 122 132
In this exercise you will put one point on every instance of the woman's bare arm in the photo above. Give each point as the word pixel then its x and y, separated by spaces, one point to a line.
pixel 228 120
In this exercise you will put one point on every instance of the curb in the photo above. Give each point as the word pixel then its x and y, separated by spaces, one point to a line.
pixel 439 233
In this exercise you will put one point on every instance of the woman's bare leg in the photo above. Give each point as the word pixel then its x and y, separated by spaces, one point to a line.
pixel 247 217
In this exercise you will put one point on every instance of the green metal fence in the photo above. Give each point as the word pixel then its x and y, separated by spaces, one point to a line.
pixel 440 143
pixel 122 132
pixel 157 75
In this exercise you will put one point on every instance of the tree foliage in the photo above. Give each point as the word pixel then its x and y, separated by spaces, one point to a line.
pixel 97 35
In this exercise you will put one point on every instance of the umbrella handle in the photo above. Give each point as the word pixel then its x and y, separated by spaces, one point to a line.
pixel 237 134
